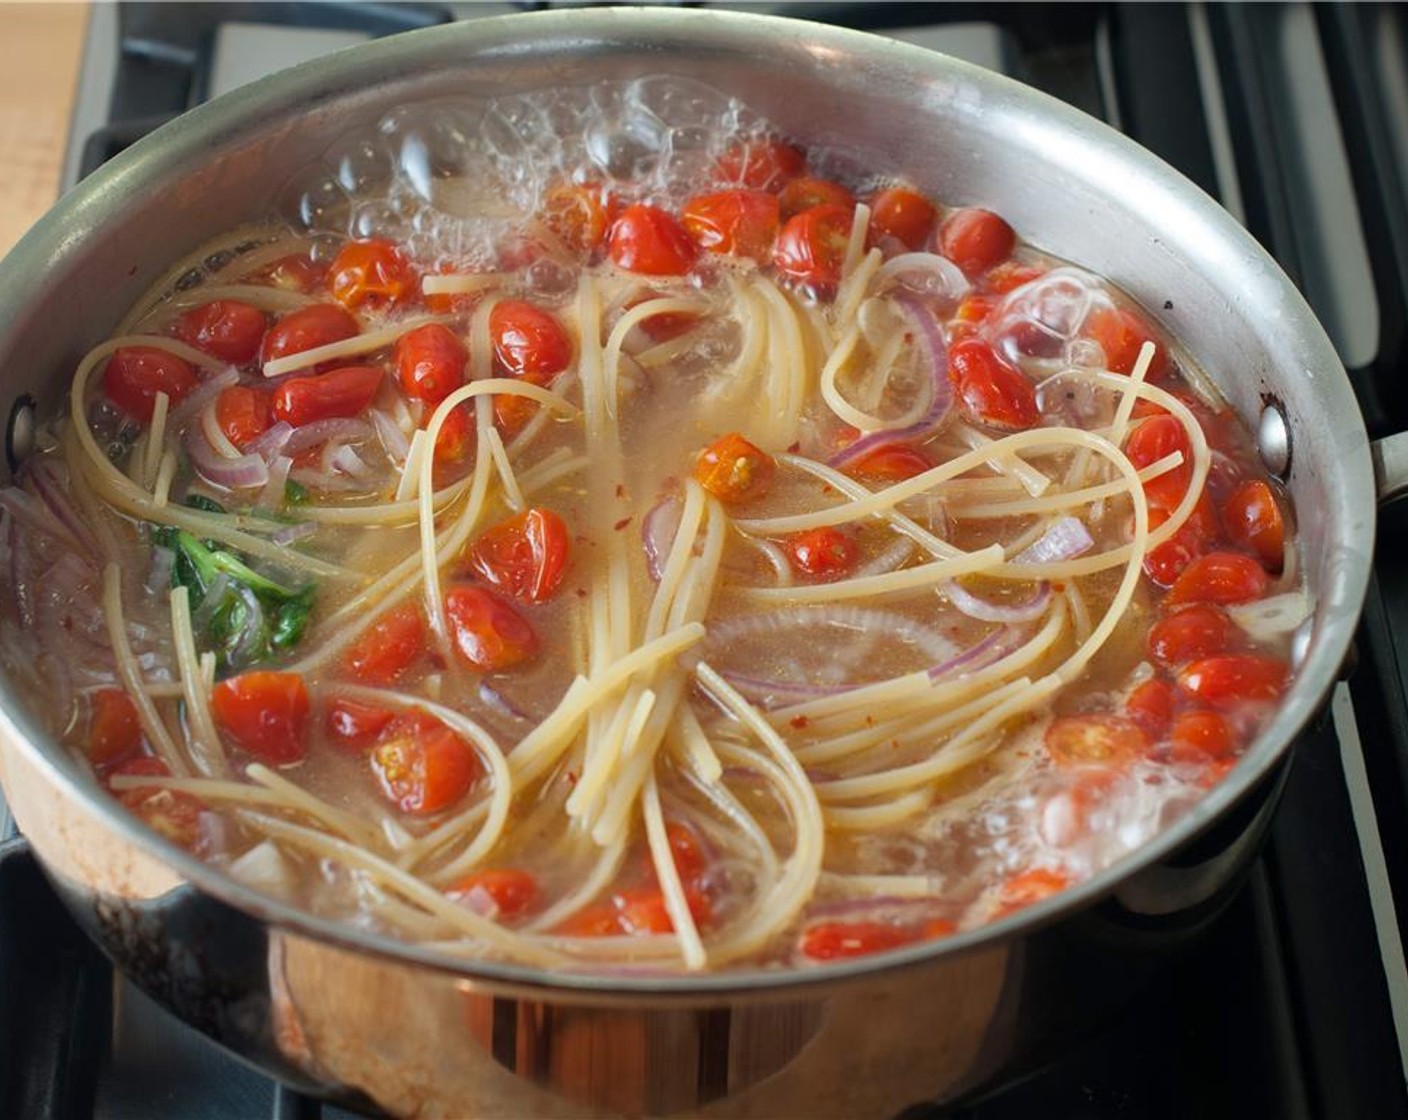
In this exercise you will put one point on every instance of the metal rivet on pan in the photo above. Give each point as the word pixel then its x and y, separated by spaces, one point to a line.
pixel 1273 439
pixel 19 433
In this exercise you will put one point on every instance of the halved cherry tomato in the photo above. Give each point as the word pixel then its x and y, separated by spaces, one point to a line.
pixel 638 911
pixel 175 814
pixel 134 376
pixel 1165 563
pixel 353 724
pixel 1122 334
pixel 455 442
pixel 935 928
pixel 651 241
pixel 1155 438
pixel 242 413
pixel 264 713
pixel 892 462
pixel 325 396
pixel 1201 735
pixel 525 555
pixel 114 728
pixel 1009 276
pixel 579 213
pixel 1234 679
pixel 763 165
pixel 423 765
pixel 1150 705
pixel 1219 577
pixel 811 247
pixel 1095 739
pixel 224 328
pixel 667 325
pixel 430 362
pixel 1029 887
pixel 504 894
pixel 687 850
pixel 825 553
pixel 1201 630
pixel 733 470
pixel 1252 519
pixel 512 413
pixel 975 240
pixel 739 223
pixel 375 273
pixel 528 342
pixel 806 192
pixel 389 647
pixel 487 632
pixel 990 392
pixel 970 314
pixel 320 324
pixel 904 214
pixel 831 941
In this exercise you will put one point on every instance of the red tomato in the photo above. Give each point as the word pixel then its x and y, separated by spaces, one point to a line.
pixel 1155 438
pixel 763 165
pixel 733 470
pixel 1201 735
pixel 805 193
pixel 1029 887
pixel 455 442
pixel 1009 276
pixel 811 247
pixel 114 728
pixel 831 941
pixel 242 413
pixel 525 555
pixel 638 911
pixel 373 272
pixel 651 241
pixel 687 850
pixel 1094 739
pixel 487 632
pixel 353 724
pixel 935 928
pixel 580 214
pixel 134 376
pixel 1121 334
pixel 739 223
pixel 422 765
pixel 975 240
pixel 890 463
pixel 323 396
pixel 430 362
pixel 306 329
pixel 1219 577
pixel 825 553
pixel 265 714
pixel 1165 563
pixel 990 392
pixel 226 329
pixel 1252 520
pixel 1197 631
pixel 1229 681
pixel 510 894
pixel 528 342
pixel 903 214
pixel 173 813
pixel 389 647
pixel 1150 705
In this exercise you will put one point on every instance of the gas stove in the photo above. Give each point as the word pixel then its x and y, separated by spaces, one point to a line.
pixel 1296 1003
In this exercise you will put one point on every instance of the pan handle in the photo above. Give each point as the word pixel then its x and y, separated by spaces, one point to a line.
pixel 1390 456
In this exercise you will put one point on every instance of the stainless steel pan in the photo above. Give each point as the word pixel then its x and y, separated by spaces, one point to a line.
pixel 373 1022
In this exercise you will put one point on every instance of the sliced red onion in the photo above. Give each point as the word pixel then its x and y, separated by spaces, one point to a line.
pixel 976 656
pixel 246 471
pixel 499 702
pixel 657 533
pixel 745 774
pixel 291 533
pixel 44 477
pixel 270 444
pixel 478 899
pixel 888 561
pixel 986 611
pixel 924 274
pixel 341 457
pixel 273 494
pixel 776 694
pixel 393 439
pixel 342 429
pixel 1065 540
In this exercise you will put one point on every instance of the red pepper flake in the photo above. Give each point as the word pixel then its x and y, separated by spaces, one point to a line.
pixel 620 489
pixel 621 524
pixel 1059 588
pixel 580 592
pixel 794 447
pixel 799 722
pixel 571 777
pixel 869 721
pixel 828 489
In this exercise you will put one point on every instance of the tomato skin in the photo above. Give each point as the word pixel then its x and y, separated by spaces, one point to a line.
pixel 242 413
pixel 512 893
pixel 1231 680
pixel 354 725
pixel 423 765
pixel 975 240
pixel 430 362
pixel 990 392
pixel 1009 276
pixel 638 911
pixel 811 247
pixel 890 463
pixel 687 851
pixel 1150 705
pixel 1200 630
pixel 1252 520
pixel 456 440
pixel 1095 739
pixel 389 648
pixel 580 214
pixel 1165 563
pixel 529 342
pixel 1155 438
pixel 488 633
pixel 135 374
pixel 175 814
pixel 904 214
pixel 325 396
pixel 224 328
pixel 1219 577
pixel 525 555
pixel 114 728
pixel 1122 334
pixel 806 193
pixel 650 241
pixel 826 553
pixel 265 714
pixel 833 941
pixel 1201 735
pixel 373 272
pixel 1029 887
pixel 306 329
pixel 733 470
pixel 763 165
pixel 739 223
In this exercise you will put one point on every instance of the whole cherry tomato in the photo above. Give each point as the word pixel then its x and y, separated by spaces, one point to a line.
pixel 388 648
pixel 430 362
pixel 740 223
pixel 1008 276
pixel 504 894
pixel 841 940
pixel 634 912
pixel 806 193
pixel 242 413
pixel 904 214
pixel 488 633
pixel 1155 438
pixel 825 553
pixel 1095 739
pixel 975 240
pixel 372 273
pixel 423 766
pixel 528 342
pixel 1150 705
pixel 319 324
pixel 1029 887
pixel 325 396
pixel 1165 563
pixel 265 714
pixel 1219 577
pixel 990 392
pixel 224 328
pixel 1231 680
pixel 811 247
pixel 651 241
pixel 1200 735
pixel 525 555
pixel 355 725
pixel 1200 630
pixel 134 376
pixel 892 462
pixel 173 813
pixel 456 441
pixel 114 728
pixel 580 214
pixel 733 470
pixel 1252 519
pixel 1122 334
pixel 763 165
